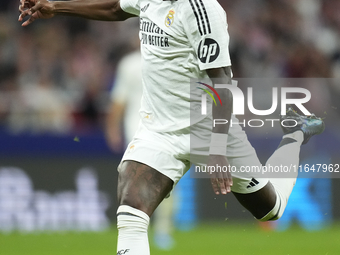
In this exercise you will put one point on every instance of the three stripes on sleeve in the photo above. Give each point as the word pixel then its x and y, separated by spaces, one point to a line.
pixel 201 16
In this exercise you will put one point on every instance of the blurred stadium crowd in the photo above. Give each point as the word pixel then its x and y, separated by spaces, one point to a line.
pixel 55 75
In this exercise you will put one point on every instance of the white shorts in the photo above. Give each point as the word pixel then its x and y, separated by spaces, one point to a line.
pixel 172 153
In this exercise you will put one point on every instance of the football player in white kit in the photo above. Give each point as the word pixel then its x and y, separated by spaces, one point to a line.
pixel 182 40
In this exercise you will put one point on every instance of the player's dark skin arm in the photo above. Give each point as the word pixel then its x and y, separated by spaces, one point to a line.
pixel 106 10
pixel 221 182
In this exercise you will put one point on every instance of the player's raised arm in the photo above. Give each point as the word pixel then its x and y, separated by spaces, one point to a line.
pixel 107 10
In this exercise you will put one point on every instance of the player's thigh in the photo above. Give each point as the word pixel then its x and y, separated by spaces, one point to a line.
pixel 141 186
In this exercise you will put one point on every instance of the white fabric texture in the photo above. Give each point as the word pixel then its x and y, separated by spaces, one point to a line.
pixel 132 231
pixel 179 40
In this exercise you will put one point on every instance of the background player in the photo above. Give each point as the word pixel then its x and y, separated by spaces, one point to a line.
pixel 181 40
pixel 124 112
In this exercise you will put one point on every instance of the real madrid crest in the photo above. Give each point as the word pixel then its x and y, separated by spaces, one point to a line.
pixel 169 19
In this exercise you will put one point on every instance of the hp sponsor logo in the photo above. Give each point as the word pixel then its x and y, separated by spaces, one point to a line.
pixel 208 50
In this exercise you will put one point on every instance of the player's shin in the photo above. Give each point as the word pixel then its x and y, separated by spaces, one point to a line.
pixel 132 231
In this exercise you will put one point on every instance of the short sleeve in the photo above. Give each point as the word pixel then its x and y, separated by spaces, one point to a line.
pixel 130 6
pixel 207 30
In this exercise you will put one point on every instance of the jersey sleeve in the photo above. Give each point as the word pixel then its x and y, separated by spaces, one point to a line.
pixel 130 6
pixel 207 30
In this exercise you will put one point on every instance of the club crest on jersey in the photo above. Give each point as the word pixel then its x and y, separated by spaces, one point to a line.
pixel 169 19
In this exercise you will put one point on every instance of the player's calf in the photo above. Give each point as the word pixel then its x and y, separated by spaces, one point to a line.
pixel 277 211
pixel 261 204
pixel 265 204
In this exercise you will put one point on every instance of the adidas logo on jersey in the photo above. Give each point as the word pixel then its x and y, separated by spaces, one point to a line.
pixel 253 183
pixel 145 8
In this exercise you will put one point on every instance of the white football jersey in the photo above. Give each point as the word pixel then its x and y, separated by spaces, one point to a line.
pixel 179 41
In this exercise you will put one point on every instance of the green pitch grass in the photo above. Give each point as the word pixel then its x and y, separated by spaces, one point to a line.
pixel 224 238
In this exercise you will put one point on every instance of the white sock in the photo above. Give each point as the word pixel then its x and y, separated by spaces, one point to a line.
pixel 132 231
pixel 287 154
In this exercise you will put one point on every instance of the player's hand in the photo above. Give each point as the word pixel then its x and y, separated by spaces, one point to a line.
pixel 221 180
pixel 36 9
